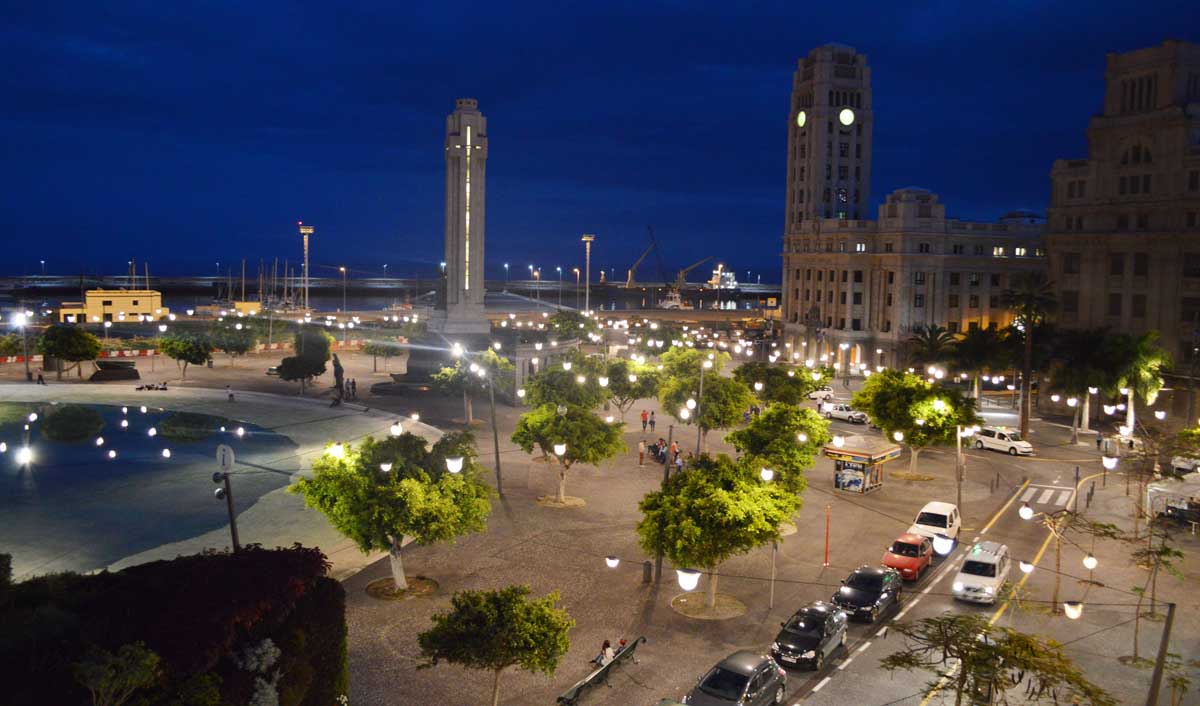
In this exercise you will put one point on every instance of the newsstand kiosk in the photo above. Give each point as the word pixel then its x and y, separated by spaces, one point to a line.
pixel 858 462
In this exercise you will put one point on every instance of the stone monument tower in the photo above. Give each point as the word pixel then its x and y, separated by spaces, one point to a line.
pixel 466 180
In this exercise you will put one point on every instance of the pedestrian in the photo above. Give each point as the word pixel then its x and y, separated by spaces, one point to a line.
pixel 642 452
pixel 674 449
pixel 229 393
pixel 645 418
pixel 678 463
pixel 1099 440
pixel 353 389
pixel 41 380
pixel 652 422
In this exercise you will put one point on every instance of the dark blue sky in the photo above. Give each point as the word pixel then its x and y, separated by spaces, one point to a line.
pixel 184 133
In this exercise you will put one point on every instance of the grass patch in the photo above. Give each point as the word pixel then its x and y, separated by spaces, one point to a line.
pixel 72 423
pixel 188 426
pixel 905 475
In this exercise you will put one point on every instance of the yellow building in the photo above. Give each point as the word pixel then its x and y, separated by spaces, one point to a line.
pixel 247 308
pixel 114 305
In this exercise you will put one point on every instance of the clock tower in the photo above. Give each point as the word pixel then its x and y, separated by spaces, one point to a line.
pixel 829 137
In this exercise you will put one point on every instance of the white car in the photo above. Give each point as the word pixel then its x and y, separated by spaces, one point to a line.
pixel 1184 464
pixel 983 573
pixel 845 413
pixel 821 393
pixel 1003 439
pixel 937 518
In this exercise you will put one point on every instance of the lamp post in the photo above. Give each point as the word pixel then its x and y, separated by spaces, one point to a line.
pixel 559 286
pixel 225 492
pixel 343 271
pixel 506 276
pixel 483 372
pixel 576 271
pixel 658 555
pixel 699 404
pixel 845 359
pixel 21 321
pixel 960 465
pixel 587 271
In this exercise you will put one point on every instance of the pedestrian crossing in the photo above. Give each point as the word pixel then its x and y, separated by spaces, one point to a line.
pixel 1054 496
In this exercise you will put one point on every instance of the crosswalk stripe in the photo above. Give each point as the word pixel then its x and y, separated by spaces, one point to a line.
pixel 1062 497
pixel 1045 496
pixel 1029 493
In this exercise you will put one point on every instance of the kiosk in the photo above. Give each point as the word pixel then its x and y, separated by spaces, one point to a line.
pixel 858 462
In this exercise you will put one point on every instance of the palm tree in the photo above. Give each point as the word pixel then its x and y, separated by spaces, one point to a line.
pixel 1138 362
pixel 978 351
pixel 1030 298
pixel 930 344
pixel 1080 362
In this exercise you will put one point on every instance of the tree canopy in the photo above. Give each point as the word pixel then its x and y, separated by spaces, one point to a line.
pixel 930 344
pixel 1031 299
pixel 786 384
pixel 974 659
pixel 233 341
pixel 720 407
pixel 376 505
pixel 556 385
pixel 588 438
pixel 927 415
pixel 572 324
pixel 497 629
pixel 70 343
pixel 629 382
pixel 786 439
pixel 185 348
pixel 310 352
pixel 712 511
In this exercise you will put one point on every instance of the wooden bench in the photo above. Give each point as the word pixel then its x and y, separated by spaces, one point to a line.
pixel 572 696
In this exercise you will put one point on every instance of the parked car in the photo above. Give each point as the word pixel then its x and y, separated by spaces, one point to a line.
pixel 821 393
pixel 983 573
pixel 937 518
pixel 1003 439
pixel 868 592
pixel 1183 464
pixel 273 370
pixel 910 554
pixel 809 635
pixel 845 413
pixel 744 678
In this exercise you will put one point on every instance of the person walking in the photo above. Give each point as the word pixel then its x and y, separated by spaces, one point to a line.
pixel 229 393
pixel 645 418
pixel 652 422
pixel 642 450
pixel 353 388
pixel 678 463
pixel 41 380
pixel 674 449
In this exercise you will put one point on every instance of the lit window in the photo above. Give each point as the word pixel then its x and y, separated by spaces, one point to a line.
pixel 860 247
pixel 1019 252
pixel 998 251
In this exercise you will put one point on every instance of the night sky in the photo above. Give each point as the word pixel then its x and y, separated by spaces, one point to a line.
pixel 186 133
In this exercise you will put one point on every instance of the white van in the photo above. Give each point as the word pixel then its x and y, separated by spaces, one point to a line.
pixel 937 518
pixel 983 573
pixel 1003 439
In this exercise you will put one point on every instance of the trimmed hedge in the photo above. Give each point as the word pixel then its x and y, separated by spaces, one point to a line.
pixel 198 613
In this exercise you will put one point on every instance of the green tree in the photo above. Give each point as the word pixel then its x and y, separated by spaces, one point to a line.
pixel 786 439
pixel 720 406
pixel 1158 557
pixel 70 343
pixel 311 351
pixel 572 324
pixel 588 438
pixel 980 662
pixel 380 349
pixel 712 511
pixel 1139 363
pixel 1031 299
pixel 980 351
pixel 113 679
pixel 11 344
pixel 785 384
pixel 468 377
pixel 930 345
pixel 184 348
pixel 557 384
pixel 233 341
pixel 1080 362
pixel 681 361
pixel 498 629
pixel 629 382
pixel 380 492
pixel 903 402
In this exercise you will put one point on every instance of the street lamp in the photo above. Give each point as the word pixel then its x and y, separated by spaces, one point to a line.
pixel 688 578
pixel 225 492
pixel 506 276
pixel 21 321
pixel 960 465
pixel 587 267
pixel 559 285
pixel 611 561
pixel 343 271
pixel 454 464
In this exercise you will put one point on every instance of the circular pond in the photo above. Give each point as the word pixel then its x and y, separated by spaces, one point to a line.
pixel 83 486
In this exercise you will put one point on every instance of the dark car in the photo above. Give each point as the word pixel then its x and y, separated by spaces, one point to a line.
pixel 868 592
pixel 809 635
pixel 744 678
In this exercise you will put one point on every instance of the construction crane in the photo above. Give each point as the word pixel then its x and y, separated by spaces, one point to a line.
pixel 681 278
pixel 633 269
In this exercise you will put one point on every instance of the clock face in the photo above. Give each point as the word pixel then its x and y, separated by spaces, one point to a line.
pixel 801 118
pixel 846 117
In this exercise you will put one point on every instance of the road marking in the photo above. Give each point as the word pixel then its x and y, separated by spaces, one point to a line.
pixel 1001 511
pixel 845 664
pixel 821 684
pixel 865 645
pixel 882 631
pixel 1045 496
pixel 1028 494
pixel 1062 498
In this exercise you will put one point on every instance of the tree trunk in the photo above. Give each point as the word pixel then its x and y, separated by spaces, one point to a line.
pixel 710 599
pixel 374 364
pixel 1057 566
pixel 1087 412
pixel 1137 623
pixel 183 374
pixel 1026 375
pixel 1075 425
pixel 562 483
pixel 978 399
pixel 496 689
pixel 913 453
pixel 703 440
pixel 397 564
pixel 467 407
pixel 1130 417
pixel 58 367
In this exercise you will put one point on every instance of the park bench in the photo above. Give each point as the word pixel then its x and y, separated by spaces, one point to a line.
pixel 598 676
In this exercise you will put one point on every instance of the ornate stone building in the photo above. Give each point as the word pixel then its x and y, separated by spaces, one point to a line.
pixel 1124 224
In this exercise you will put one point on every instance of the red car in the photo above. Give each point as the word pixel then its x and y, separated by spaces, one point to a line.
pixel 910 554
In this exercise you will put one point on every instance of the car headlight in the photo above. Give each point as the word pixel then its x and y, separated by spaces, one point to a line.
pixel 844 590
pixel 988 590
pixel 808 655
pixel 958 586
